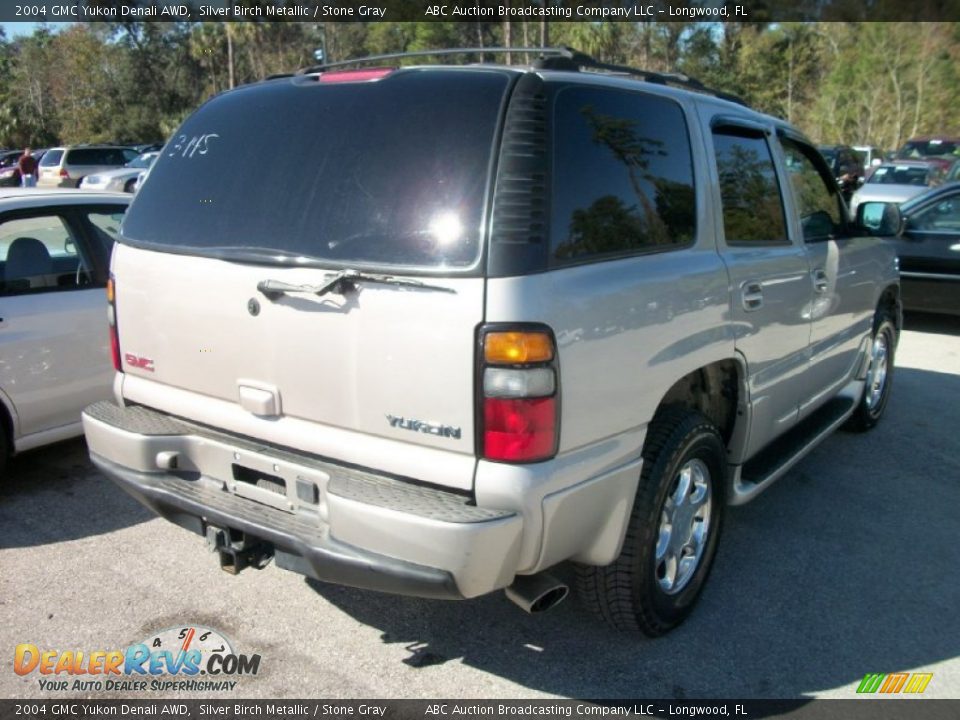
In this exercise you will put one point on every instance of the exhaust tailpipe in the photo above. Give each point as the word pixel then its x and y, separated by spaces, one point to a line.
pixel 537 593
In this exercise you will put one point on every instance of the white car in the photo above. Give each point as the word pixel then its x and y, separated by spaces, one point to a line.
pixel 897 182
pixel 54 351
pixel 122 179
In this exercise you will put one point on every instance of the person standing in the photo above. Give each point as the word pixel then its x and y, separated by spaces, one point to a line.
pixel 28 169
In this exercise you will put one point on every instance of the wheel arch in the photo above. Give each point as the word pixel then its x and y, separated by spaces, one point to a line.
pixel 719 391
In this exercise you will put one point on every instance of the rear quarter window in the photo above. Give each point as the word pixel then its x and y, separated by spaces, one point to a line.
pixel 51 158
pixel 623 175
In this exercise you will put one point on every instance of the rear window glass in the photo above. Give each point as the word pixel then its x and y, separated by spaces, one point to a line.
pixel 51 157
pixel 389 172
pixel 901 175
pixel 623 175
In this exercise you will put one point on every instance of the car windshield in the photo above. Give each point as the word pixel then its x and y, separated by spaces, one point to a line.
pixel 385 172
pixel 928 148
pixel 828 154
pixel 900 175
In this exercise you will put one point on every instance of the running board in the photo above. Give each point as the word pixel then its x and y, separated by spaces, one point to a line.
pixel 775 460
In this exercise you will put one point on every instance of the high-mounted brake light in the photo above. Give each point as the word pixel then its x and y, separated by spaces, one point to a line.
pixel 112 319
pixel 338 76
pixel 518 395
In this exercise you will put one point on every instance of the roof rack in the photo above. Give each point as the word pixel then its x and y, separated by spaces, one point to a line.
pixel 559 51
pixel 549 58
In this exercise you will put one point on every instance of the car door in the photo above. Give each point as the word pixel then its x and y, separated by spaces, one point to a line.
pixel 841 310
pixel 929 252
pixel 769 275
pixel 54 347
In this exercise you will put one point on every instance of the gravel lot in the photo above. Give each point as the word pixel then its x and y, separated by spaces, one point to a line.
pixel 848 565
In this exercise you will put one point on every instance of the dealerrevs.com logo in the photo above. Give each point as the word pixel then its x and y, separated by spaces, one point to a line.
pixel 192 658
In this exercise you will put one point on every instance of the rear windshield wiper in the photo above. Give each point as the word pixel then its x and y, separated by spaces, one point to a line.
pixel 342 282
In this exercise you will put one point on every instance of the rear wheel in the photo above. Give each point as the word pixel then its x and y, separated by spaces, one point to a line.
pixel 673 532
pixel 4 447
pixel 876 391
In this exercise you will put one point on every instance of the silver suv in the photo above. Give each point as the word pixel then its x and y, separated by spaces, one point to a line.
pixel 503 318
pixel 67 166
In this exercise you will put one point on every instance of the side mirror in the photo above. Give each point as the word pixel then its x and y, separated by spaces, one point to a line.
pixel 880 218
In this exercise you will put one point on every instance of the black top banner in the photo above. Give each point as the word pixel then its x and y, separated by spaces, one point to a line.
pixel 480 11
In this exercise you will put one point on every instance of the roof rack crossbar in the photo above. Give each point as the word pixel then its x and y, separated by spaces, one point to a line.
pixel 550 58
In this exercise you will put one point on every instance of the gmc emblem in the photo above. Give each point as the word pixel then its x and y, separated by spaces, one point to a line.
pixel 139 362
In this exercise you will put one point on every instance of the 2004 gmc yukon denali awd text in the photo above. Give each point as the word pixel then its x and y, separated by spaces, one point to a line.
pixel 474 321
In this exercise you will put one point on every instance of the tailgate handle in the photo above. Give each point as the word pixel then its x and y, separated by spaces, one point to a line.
pixel 259 399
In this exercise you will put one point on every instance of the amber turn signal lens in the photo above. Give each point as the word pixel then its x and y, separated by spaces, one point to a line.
pixel 517 347
pixel 110 290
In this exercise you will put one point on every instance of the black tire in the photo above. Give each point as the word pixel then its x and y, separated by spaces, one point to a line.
pixel 4 448
pixel 874 400
pixel 629 594
pixel 128 187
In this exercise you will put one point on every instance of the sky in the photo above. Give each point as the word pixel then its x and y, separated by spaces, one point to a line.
pixel 12 29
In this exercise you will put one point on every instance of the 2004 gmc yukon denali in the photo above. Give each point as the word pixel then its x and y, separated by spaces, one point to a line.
pixel 474 321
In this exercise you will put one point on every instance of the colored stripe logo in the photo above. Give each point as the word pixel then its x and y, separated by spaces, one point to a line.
pixel 912 683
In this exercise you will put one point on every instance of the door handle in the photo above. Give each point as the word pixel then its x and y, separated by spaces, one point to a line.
pixel 751 295
pixel 820 282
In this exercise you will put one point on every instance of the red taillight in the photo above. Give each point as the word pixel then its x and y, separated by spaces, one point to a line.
pixel 115 348
pixel 64 173
pixel 520 430
pixel 338 76
pixel 518 394
pixel 112 320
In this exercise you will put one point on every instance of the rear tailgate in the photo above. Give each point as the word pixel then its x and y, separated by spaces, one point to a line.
pixel 380 362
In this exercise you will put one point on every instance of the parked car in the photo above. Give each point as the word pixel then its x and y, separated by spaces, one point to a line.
pixel 67 166
pixel 939 150
pixel 897 182
pixel 929 250
pixel 123 179
pixel 570 318
pixel 9 172
pixel 54 255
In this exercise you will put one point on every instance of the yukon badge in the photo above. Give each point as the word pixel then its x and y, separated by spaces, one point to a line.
pixel 425 427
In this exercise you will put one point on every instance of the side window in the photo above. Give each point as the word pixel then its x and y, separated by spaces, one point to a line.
pixel 943 216
pixel 129 155
pixel 106 229
pixel 40 254
pixel 623 175
pixel 749 190
pixel 819 205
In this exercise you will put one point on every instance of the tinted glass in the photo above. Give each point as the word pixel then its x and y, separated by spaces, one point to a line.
pixel 942 216
pixel 819 206
pixel 749 191
pixel 95 156
pixel 389 172
pixel 623 174
pixel 928 148
pixel 51 157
